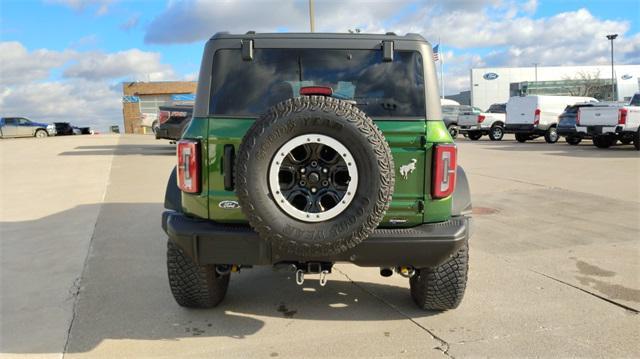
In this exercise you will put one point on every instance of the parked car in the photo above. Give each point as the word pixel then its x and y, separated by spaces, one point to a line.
pixel 277 169
pixel 23 127
pixel 451 115
pixel 84 130
pixel 532 116
pixel 450 118
pixel 172 121
pixel 476 124
pixel 63 128
pixel 567 123
pixel 608 124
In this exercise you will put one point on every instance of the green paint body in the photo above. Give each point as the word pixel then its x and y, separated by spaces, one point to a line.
pixel 408 140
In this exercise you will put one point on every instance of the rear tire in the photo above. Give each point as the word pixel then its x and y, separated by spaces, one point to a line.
pixel 522 137
pixel 636 141
pixel 551 136
pixel 604 141
pixel 496 133
pixel 453 131
pixel 626 139
pixel 474 136
pixel 441 287
pixel 193 285
pixel 573 140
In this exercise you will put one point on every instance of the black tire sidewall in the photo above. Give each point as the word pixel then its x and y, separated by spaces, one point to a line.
pixel 491 135
pixel 551 136
pixel 474 136
pixel 521 137
pixel 603 141
pixel 372 195
pixel 453 128
pixel 573 140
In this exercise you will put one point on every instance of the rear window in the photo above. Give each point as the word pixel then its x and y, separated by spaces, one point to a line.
pixel 498 108
pixel 635 101
pixel 450 109
pixel 380 89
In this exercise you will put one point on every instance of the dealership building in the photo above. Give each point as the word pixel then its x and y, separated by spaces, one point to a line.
pixel 491 85
pixel 141 100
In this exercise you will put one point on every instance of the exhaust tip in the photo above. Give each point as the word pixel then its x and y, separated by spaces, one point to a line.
pixel 386 272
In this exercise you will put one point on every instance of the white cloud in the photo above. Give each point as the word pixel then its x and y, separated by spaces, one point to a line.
pixel 89 91
pixel 130 23
pixel 81 102
pixel 503 29
pixel 17 65
pixel 569 38
pixel 194 20
pixel 133 64
pixel 102 6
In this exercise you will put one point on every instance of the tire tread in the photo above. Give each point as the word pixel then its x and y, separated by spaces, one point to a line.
pixel 442 287
pixel 192 285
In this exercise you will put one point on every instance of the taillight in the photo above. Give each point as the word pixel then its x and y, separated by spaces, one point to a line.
pixel 536 117
pixel 189 166
pixel 163 116
pixel 316 90
pixel 578 118
pixel 481 118
pixel 622 116
pixel 444 171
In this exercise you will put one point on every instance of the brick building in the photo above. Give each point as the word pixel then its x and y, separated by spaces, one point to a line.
pixel 140 101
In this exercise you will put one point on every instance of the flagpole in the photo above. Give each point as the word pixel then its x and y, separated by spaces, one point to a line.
pixel 441 58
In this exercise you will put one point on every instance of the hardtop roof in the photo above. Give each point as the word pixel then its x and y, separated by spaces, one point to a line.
pixel 320 36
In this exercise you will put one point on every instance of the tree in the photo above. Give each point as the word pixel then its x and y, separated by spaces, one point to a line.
pixel 588 84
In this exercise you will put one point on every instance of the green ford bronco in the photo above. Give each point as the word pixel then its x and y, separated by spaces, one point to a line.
pixel 311 149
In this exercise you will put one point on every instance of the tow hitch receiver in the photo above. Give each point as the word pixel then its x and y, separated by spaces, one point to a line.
pixel 301 269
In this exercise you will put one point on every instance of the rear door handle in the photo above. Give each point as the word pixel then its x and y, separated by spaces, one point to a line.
pixel 227 166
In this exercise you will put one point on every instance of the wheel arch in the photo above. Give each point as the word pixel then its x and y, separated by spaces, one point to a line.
pixel 462 195
pixel 173 196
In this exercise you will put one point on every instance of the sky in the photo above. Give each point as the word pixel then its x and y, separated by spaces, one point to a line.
pixel 67 59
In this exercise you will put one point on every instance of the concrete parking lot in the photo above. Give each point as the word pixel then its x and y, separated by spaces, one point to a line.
pixel 555 264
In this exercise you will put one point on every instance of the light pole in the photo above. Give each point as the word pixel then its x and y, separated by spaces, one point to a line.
pixel 535 64
pixel 311 24
pixel 613 77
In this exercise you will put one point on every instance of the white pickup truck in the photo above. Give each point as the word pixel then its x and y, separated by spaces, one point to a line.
pixel 608 124
pixel 474 125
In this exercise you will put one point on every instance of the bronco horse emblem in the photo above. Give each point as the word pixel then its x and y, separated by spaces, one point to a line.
pixel 408 169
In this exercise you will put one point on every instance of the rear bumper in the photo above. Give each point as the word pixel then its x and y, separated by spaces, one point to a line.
pixel 597 130
pixel 570 132
pixel 473 128
pixel 208 242
pixel 524 128
pixel 169 132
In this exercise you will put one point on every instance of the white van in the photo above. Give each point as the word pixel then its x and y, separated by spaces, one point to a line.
pixel 533 116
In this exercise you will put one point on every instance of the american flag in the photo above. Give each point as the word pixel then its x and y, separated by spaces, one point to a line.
pixel 436 55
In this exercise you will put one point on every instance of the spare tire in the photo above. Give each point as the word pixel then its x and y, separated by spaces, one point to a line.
pixel 314 176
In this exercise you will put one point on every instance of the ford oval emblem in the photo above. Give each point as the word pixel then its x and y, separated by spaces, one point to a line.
pixel 229 204
pixel 490 76
pixel 626 77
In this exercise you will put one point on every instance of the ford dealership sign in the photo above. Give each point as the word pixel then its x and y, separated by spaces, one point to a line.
pixel 490 76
